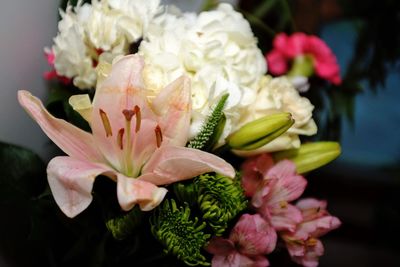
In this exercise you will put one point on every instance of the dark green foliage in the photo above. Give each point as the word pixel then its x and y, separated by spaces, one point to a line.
pixel 179 233
pixel 123 226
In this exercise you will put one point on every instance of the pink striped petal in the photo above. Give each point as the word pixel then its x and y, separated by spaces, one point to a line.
pixel 72 140
pixel 71 182
pixel 220 246
pixel 253 235
pixel 285 217
pixel 289 186
pixel 173 105
pixel 131 191
pixel 170 164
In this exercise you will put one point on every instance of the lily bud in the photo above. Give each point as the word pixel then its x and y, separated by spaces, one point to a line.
pixel 310 156
pixel 259 132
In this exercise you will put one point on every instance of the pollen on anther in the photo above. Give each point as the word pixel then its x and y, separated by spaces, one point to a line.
pixel 120 139
pixel 106 122
pixel 138 117
pixel 159 137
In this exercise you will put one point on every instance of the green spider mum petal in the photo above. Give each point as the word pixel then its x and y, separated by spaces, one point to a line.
pixel 179 234
pixel 121 227
pixel 220 200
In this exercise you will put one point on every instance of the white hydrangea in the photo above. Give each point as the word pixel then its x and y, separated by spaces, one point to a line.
pixel 101 31
pixel 217 49
pixel 278 95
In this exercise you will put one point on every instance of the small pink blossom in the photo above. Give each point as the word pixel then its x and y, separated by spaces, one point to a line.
pixel 253 171
pixel 287 48
pixel 303 244
pixel 52 74
pixel 280 185
pixel 250 239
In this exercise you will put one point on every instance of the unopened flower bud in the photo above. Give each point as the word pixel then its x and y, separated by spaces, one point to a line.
pixel 259 132
pixel 310 156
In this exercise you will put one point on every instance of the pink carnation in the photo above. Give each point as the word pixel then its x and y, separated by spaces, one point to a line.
pixel 287 48
pixel 250 239
pixel 303 244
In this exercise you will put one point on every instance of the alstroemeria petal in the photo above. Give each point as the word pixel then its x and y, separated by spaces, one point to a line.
pixel 131 191
pixel 71 182
pixel 253 235
pixel 220 246
pixel 289 185
pixel 72 140
pixel 173 104
pixel 284 218
pixel 170 164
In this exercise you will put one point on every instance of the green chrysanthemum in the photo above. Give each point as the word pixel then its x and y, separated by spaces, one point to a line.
pixel 122 226
pixel 180 235
pixel 212 129
pixel 220 199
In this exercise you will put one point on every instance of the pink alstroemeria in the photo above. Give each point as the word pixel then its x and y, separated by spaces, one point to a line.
pixel 304 246
pixel 137 144
pixel 53 75
pixel 280 185
pixel 249 241
pixel 254 170
pixel 287 48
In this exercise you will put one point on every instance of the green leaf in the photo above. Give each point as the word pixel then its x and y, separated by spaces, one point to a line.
pixel 23 173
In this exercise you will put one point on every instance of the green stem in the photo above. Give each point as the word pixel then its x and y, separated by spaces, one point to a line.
pixel 259 23
pixel 264 8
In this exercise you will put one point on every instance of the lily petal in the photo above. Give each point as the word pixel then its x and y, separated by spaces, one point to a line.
pixel 72 140
pixel 132 191
pixel 170 164
pixel 71 182
pixel 173 104
pixel 123 89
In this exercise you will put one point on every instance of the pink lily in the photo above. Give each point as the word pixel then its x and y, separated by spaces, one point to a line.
pixel 304 246
pixel 280 185
pixel 250 239
pixel 137 144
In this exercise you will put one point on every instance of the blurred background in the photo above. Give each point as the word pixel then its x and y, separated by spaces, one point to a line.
pixel 362 186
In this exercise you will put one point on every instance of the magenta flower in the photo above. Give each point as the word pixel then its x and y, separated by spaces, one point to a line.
pixel 138 144
pixel 249 241
pixel 53 75
pixel 298 50
pixel 303 244
pixel 281 184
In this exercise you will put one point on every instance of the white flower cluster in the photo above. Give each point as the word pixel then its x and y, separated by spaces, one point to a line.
pixel 216 49
pixel 98 32
pixel 279 95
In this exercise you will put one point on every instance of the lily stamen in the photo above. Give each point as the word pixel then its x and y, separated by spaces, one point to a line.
pixel 159 137
pixel 106 123
pixel 120 138
pixel 138 114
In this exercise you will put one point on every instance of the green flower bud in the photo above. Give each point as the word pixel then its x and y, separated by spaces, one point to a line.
pixel 310 156
pixel 259 132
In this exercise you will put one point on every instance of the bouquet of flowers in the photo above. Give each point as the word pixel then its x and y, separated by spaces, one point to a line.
pixel 205 152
